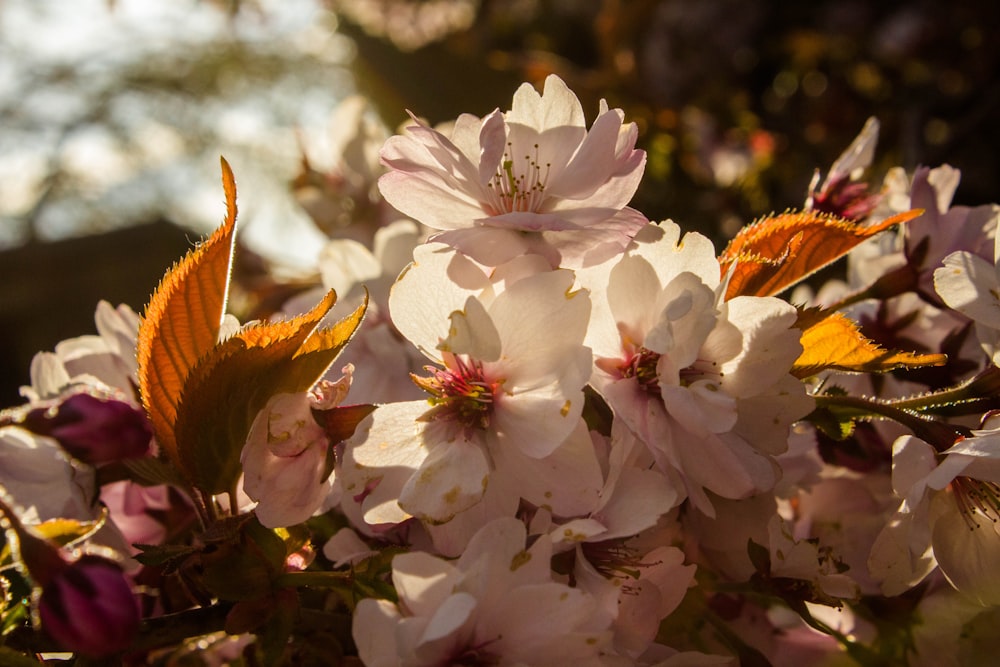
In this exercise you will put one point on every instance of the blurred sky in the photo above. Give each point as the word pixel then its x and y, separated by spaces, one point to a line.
pixel 116 112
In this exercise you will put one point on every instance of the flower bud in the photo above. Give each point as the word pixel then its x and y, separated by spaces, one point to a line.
pixel 93 430
pixel 89 608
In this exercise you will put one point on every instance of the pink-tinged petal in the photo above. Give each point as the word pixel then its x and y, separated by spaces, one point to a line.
pixel 686 316
pixel 420 303
pixel 345 547
pixel 450 480
pixel 386 450
pixel 639 499
pixel 542 323
pixel 451 624
pixel 701 408
pixel 596 243
pixel 578 530
pixel 567 481
pixel 933 189
pixel 770 344
pixel 594 162
pixel 670 575
pixel 472 333
pixel 492 144
pixel 969 284
pixel 423 582
pixel 912 461
pixel 901 555
pixel 730 472
pixel 465 136
pixel 531 221
pixel 502 543
pixel 967 554
pixel 556 106
pixel 493 246
pixel 544 624
pixel 373 628
pixel 424 147
pixel 536 422
pixel 428 200
pixel 632 286
pixel 637 621
pixel 452 539
pixel 666 251
pixel 765 419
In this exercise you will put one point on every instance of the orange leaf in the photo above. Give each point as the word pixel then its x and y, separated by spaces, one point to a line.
pixel 775 253
pixel 181 323
pixel 236 378
pixel 835 343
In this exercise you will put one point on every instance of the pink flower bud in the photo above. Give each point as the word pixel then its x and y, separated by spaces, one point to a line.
pixel 89 608
pixel 93 430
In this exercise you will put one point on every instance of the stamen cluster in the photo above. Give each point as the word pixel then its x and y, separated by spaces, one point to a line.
pixel 460 394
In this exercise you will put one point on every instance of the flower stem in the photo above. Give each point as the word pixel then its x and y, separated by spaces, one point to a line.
pixel 315 578
pixel 940 435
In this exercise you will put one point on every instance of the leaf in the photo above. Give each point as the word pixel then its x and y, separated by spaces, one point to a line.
pixel 182 320
pixel 773 254
pixel 836 343
pixel 67 531
pixel 340 422
pixel 235 379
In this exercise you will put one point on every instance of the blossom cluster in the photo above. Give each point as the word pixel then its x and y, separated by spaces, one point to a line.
pixel 544 430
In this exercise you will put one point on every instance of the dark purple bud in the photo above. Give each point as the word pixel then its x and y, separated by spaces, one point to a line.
pixel 93 430
pixel 89 608
pixel 847 199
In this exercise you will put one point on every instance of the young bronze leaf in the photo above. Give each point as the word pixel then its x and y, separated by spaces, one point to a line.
pixel 181 323
pixel 835 343
pixel 234 381
pixel 777 252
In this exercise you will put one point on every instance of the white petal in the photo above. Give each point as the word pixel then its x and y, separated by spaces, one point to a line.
pixel 427 199
pixel 423 582
pixel 385 451
pixel 372 628
pixel 422 300
pixel 967 555
pixel 567 481
pixel 450 480
pixel 639 500
pixel 969 284
pixel 542 323
pixel 472 333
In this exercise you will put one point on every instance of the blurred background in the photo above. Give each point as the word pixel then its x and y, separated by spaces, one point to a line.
pixel 113 115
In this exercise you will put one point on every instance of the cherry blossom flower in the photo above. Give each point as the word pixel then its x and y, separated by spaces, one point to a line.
pixel 949 516
pixel 532 179
pixel 286 458
pixel 703 383
pixel 971 285
pixel 497 605
pixel 106 361
pixel 843 193
pixel 506 395
pixel 43 482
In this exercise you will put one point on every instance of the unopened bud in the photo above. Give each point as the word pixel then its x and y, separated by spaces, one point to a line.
pixel 89 608
pixel 93 430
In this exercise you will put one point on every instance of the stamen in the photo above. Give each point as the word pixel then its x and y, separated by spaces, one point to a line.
pixel 522 191
pixel 976 500
pixel 614 560
pixel 459 394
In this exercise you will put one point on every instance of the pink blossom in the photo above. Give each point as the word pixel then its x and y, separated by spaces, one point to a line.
pixel 287 458
pixel 531 180
pixel 497 605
